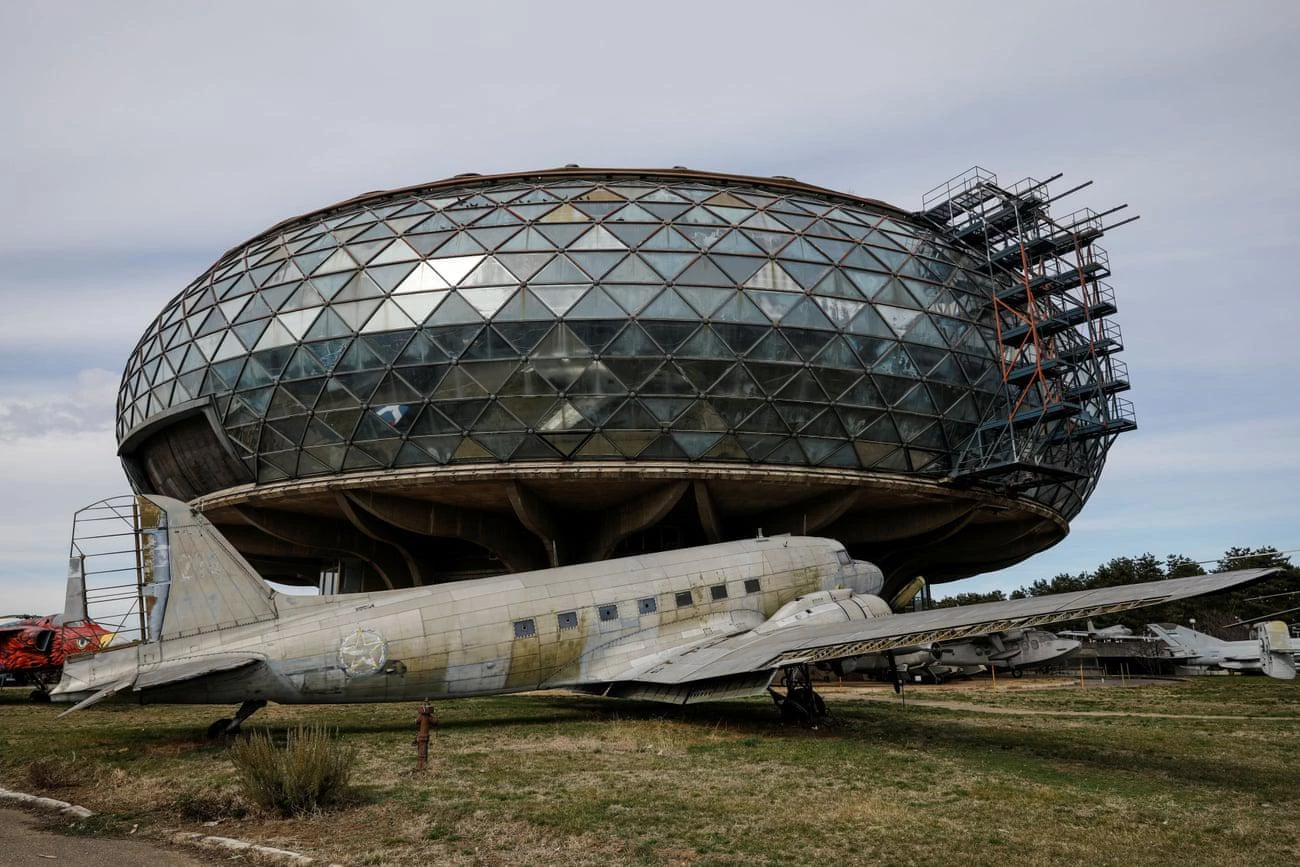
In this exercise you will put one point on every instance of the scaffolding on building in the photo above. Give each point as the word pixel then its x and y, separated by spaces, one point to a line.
pixel 1049 303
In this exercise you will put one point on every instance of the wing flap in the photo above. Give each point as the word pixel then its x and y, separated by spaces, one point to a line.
pixel 814 642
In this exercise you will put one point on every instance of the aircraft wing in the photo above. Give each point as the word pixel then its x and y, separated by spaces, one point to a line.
pixel 747 653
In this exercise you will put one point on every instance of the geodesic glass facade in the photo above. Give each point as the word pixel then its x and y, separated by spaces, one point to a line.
pixel 561 317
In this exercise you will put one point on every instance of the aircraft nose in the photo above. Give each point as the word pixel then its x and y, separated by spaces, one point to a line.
pixel 105 638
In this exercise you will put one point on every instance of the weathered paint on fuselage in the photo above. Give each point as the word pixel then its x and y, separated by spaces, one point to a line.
pixel 471 637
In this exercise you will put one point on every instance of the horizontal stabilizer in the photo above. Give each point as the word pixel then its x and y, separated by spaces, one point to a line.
pixel 99 696
pixel 178 670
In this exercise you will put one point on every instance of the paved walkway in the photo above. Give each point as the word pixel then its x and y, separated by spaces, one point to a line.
pixel 23 843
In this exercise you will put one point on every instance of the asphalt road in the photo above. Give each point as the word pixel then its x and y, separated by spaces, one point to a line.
pixel 23 843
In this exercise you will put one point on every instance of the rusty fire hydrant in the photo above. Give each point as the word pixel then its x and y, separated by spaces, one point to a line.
pixel 426 720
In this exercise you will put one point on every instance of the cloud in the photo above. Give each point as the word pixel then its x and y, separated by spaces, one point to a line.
pixel 89 405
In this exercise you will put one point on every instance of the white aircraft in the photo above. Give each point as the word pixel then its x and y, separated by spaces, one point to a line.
pixel 1271 652
pixel 698 624
pixel 1014 650
pixel 1117 632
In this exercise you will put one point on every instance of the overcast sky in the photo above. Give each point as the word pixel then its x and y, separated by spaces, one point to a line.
pixel 138 141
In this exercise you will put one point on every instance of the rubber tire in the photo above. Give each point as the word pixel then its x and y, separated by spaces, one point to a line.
pixel 219 729
pixel 40 696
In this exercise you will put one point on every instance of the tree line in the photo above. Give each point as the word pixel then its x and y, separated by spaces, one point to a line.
pixel 1219 615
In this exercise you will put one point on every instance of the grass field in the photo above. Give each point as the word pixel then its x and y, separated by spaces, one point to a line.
pixel 1210 775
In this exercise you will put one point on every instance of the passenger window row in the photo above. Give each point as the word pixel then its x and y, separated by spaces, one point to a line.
pixel 648 605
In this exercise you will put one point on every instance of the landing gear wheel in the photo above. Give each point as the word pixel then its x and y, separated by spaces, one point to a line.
pixel 1017 672
pixel 801 703
pixel 40 696
pixel 222 728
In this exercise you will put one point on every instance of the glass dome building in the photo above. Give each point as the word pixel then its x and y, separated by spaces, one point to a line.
pixel 496 373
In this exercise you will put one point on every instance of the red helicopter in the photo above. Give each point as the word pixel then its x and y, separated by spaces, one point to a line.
pixel 32 649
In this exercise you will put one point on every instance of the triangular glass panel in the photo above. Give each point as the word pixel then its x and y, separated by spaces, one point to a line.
pixel 837 285
pixel 632 214
pixel 765 222
pixel 899 319
pixel 739 269
pixel 667 211
pixel 727 449
pixel 425 245
pixel 840 311
pixel 868 323
pixel 765 419
pixel 705 299
pixel 802 386
pixel 303 363
pixel 454 269
pixel 363 252
pixel 668 380
pixel 771 376
pixel 596 264
pixel 559 298
pixel 469 451
pixel 631 371
pixel 355 313
pixel 703 373
pixel 701 217
pixel 457 385
pixel 827 424
pixel 523 306
pixel 632 270
pixel 523 265
pixel 740 337
pixel 860 258
pixel 327 325
pixel 595 305
pixel 531 212
pixel 828 230
pixel 740 310
pixel 669 305
pixel 774 304
pixel 360 356
pixel 304 296
pixel 631 234
pixel 772 276
pixel 565 443
pixel 456 310
pixel 256 308
pixel 489 345
pixel 700 416
pixel 669 240
pixel 670 334
pixel 362 384
pixel 490 272
pixel 837 354
pixel 664 448
pixel 806 274
pixel 596 448
pixel 486 300
pixel 922 331
pixel 803 250
pixel 455 338
pixel 557 236
pixel 631 296
pixel 284 404
pixel 704 273
pixel 296 323
pixel 229 348
pixel 565 213
pixel 559 270
pixel 389 316
pixel 632 416
pixel 597 238
pixel 807 314
pixel 339 260
pixel 418 306
pixel 526 381
pixel 421 350
pixel 430 422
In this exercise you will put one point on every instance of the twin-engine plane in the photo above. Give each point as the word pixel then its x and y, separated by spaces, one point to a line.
pixel 699 624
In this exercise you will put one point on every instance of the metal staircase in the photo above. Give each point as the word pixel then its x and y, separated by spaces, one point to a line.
pixel 1060 380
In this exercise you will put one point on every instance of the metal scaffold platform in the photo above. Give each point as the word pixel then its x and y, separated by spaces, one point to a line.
pixel 1049 309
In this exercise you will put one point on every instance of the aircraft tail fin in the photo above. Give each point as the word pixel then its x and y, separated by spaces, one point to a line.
pixel 1277 650
pixel 194 580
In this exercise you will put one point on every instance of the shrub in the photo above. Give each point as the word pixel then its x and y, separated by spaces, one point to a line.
pixel 53 773
pixel 310 771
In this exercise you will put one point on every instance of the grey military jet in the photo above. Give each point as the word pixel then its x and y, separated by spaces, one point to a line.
pixel 714 622
pixel 1272 651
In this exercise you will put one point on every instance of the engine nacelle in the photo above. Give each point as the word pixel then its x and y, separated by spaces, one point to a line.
pixel 827 606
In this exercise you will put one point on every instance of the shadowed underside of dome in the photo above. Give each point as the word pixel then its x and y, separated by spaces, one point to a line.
pixel 503 373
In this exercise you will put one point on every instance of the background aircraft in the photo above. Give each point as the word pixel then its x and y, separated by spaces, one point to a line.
pixel 699 624
pixel 32 649
pixel 1272 650
pixel 1013 650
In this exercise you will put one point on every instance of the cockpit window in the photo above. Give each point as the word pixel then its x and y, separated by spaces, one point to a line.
pixel 843 557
